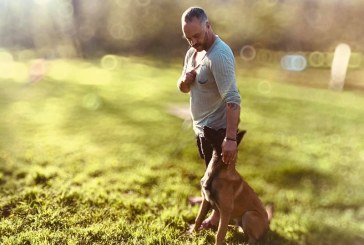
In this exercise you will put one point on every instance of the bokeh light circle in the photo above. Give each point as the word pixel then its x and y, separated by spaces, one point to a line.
pixel 264 87
pixel 248 53
pixel 316 59
pixel 109 62
pixel 293 62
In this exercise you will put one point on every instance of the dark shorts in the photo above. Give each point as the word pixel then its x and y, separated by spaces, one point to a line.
pixel 205 148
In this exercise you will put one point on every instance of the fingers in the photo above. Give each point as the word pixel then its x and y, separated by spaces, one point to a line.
pixel 190 76
pixel 229 152
pixel 229 157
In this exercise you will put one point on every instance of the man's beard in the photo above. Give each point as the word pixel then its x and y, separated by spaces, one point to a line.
pixel 201 46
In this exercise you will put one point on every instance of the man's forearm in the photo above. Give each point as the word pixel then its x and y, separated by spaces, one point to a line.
pixel 232 117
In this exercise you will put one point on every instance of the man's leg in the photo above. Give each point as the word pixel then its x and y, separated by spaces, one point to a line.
pixel 206 150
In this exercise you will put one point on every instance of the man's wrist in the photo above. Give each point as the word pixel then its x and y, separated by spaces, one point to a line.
pixel 230 138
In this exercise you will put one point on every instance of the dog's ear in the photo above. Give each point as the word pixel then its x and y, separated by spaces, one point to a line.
pixel 213 137
pixel 240 136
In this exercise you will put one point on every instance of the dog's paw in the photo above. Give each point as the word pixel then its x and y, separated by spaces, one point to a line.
pixel 191 229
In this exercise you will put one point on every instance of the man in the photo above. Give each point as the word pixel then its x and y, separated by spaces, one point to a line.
pixel 209 76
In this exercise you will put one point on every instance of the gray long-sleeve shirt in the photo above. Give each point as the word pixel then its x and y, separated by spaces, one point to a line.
pixel 214 86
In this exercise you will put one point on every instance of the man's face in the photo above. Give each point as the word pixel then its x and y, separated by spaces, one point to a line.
pixel 196 34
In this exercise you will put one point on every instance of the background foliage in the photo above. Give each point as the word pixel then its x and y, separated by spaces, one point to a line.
pixel 66 28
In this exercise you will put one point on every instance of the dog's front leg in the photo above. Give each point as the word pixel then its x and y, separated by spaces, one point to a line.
pixel 226 206
pixel 223 226
pixel 204 209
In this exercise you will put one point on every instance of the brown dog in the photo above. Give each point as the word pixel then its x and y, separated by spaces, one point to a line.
pixel 225 190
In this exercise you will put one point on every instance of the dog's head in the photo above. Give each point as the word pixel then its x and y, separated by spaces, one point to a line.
pixel 215 138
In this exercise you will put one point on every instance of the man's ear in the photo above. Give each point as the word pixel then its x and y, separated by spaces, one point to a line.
pixel 240 136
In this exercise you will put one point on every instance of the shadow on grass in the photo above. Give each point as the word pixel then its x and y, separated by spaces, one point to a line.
pixel 326 235
pixel 291 175
pixel 323 235
pixel 271 238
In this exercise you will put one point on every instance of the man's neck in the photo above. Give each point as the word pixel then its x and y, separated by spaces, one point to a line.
pixel 211 40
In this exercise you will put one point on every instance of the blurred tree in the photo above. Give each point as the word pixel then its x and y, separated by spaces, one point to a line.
pixel 67 28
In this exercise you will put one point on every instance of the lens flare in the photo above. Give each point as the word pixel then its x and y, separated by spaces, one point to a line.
pixel 293 62
pixel 264 87
pixel 109 62
pixel 248 53
pixel 316 59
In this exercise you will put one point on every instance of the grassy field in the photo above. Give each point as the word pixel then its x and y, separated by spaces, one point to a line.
pixel 90 155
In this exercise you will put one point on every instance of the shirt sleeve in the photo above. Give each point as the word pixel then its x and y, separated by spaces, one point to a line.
pixel 223 70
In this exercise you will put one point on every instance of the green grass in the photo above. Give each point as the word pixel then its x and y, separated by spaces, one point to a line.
pixel 91 156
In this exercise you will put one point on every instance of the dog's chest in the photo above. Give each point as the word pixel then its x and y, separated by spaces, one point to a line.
pixel 207 193
pixel 206 184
